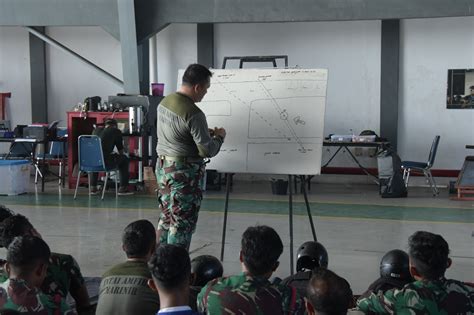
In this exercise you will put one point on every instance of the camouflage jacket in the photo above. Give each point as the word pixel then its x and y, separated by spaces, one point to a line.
pixel 63 276
pixel 243 294
pixel 16 295
pixel 422 297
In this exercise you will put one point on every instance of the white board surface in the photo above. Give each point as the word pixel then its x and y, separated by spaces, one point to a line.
pixel 274 119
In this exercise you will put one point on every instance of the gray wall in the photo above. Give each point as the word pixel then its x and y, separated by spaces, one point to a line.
pixel 350 50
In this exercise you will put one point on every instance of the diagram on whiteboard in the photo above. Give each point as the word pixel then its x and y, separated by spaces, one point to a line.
pixel 274 119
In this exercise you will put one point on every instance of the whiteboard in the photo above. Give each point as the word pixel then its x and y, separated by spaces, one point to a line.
pixel 274 119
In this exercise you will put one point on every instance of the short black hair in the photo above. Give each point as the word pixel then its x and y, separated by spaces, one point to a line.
pixel 328 293
pixel 196 74
pixel 170 267
pixel 261 248
pixel 25 253
pixel 16 225
pixel 5 213
pixel 138 238
pixel 428 254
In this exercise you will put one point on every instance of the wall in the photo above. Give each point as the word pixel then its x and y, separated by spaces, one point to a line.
pixel 15 73
pixel 177 48
pixel 69 81
pixel 349 50
pixel 429 48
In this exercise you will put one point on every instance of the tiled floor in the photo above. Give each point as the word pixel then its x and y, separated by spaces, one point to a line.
pixel 356 226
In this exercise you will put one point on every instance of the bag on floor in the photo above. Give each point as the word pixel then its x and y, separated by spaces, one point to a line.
pixel 391 180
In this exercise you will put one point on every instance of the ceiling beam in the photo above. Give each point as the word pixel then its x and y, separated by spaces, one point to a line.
pixel 154 15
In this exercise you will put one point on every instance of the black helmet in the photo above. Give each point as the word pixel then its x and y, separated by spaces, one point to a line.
pixel 311 255
pixel 205 268
pixel 394 264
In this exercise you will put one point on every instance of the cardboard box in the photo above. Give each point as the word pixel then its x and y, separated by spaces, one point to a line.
pixel 15 175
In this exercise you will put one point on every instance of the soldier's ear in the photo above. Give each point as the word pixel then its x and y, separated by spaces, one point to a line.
pixel 192 278
pixel 241 257
pixel 277 264
pixel 414 273
pixel 450 262
pixel 309 307
pixel 152 285
pixel 7 268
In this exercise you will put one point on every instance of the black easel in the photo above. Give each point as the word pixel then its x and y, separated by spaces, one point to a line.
pixel 290 212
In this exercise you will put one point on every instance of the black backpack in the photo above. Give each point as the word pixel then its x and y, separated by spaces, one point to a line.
pixel 391 180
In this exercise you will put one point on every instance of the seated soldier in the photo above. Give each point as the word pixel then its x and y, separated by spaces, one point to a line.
pixel 63 273
pixel 111 137
pixel 27 262
pixel 327 293
pixel 124 287
pixel 431 293
pixel 170 268
pixel 5 213
pixel 204 268
pixel 310 256
pixel 250 292
pixel 394 272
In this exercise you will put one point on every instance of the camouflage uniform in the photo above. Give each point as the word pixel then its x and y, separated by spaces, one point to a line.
pixel 243 294
pixel 179 200
pixel 422 297
pixel 63 276
pixel 16 295
pixel 184 141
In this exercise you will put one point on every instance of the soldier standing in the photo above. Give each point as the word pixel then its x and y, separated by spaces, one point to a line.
pixel 184 141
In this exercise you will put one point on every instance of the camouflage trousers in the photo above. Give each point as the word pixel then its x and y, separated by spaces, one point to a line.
pixel 179 198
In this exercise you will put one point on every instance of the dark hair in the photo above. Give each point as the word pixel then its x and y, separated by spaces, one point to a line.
pixel 328 293
pixel 9 312
pixel 196 74
pixel 170 266
pixel 110 122
pixel 138 238
pixel 27 252
pixel 16 225
pixel 261 248
pixel 205 268
pixel 429 254
pixel 5 213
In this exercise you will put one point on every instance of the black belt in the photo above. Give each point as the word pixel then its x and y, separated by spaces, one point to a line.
pixel 181 159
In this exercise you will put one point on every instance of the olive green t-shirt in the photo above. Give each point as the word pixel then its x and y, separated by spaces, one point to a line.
pixel 124 290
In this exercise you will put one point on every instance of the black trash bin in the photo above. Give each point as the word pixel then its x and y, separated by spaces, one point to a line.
pixel 279 186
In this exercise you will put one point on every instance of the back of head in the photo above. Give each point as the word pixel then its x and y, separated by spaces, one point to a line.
pixel 429 254
pixel 16 225
pixel 196 74
pixel 261 248
pixel 110 122
pixel 328 293
pixel 25 253
pixel 395 264
pixel 5 213
pixel 205 268
pixel 170 267
pixel 139 238
pixel 311 255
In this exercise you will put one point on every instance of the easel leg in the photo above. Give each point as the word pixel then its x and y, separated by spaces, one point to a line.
pixel 226 208
pixel 310 217
pixel 290 186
